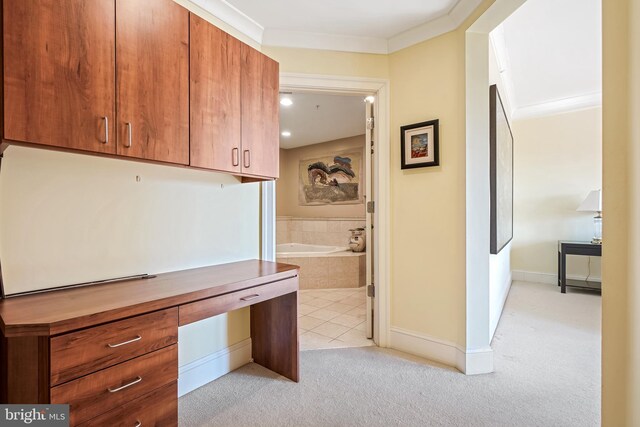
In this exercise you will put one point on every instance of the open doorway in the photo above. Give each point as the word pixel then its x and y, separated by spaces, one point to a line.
pixel 543 66
pixel 322 224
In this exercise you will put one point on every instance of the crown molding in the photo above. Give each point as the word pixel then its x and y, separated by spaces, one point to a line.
pixel 434 28
pixel 546 108
pixel 309 40
pixel 559 106
pixel 236 19
pixel 232 17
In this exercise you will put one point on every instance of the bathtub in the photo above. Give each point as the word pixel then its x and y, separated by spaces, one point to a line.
pixel 324 267
pixel 300 250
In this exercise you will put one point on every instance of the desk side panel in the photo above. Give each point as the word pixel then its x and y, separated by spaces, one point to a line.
pixel 24 370
pixel 274 335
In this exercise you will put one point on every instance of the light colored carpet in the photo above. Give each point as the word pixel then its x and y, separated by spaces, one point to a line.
pixel 547 373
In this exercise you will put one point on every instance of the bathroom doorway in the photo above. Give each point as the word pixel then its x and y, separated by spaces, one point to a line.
pixel 322 223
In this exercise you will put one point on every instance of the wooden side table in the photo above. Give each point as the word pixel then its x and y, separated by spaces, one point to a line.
pixel 575 248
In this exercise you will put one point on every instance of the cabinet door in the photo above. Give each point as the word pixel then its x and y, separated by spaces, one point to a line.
pixel 59 77
pixel 152 71
pixel 260 114
pixel 215 97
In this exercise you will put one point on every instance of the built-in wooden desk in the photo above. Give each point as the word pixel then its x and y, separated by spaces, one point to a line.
pixel 110 350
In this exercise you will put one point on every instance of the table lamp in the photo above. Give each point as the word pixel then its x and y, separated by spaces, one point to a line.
pixel 593 203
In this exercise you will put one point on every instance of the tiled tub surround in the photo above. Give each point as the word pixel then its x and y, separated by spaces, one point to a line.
pixel 316 231
pixel 328 271
pixel 336 270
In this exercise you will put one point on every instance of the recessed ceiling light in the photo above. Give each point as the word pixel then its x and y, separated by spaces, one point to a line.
pixel 370 99
pixel 286 133
pixel 286 101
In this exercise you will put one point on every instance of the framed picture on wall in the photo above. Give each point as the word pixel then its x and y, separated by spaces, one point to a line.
pixel 500 173
pixel 419 145
pixel 335 178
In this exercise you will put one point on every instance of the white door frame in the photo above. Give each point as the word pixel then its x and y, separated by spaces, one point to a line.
pixel 355 85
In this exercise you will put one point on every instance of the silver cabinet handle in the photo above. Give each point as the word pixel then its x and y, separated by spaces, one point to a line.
pixel 129 132
pixel 235 154
pixel 137 338
pixel 138 424
pixel 106 130
pixel 247 158
pixel 250 297
pixel 136 381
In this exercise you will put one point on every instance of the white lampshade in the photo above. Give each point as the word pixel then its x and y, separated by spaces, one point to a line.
pixel 593 202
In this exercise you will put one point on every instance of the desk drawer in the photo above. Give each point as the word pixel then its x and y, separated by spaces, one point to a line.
pixel 105 390
pixel 206 308
pixel 158 408
pixel 80 353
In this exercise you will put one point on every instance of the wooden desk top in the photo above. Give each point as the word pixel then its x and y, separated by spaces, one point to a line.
pixel 61 311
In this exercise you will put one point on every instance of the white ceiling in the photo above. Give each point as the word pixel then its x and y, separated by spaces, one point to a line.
pixel 315 118
pixel 374 26
pixel 550 53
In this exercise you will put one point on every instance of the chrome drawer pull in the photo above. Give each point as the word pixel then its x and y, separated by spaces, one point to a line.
pixel 138 424
pixel 136 381
pixel 137 338
pixel 129 132
pixel 250 297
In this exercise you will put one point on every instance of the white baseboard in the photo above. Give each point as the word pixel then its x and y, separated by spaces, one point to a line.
pixel 204 370
pixel 547 278
pixel 475 362
pixel 445 352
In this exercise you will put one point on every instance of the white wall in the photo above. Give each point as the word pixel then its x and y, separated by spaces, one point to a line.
pixel 499 264
pixel 68 218
pixel 558 161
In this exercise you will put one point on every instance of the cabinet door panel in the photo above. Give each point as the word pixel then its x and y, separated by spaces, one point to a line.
pixel 215 97
pixel 59 79
pixel 260 114
pixel 152 70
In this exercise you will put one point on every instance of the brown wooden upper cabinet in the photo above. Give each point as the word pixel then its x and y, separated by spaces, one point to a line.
pixel 138 78
pixel 234 104
pixel 59 81
pixel 152 70
pixel 60 76
pixel 215 98
pixel 260 114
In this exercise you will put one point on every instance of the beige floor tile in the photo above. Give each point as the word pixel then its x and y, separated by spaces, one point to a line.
pixel 358 312
pixel 308 323
pixel 339 344
pixel 320 302
pixel 305 309
pixel 331 330
pixel 305 297
pixel 333 296
pixel 324 314
pixel 347 320
pixel 353 301
pixel 361 326
pixel 340 308
pixel 313 341
pixel 355 338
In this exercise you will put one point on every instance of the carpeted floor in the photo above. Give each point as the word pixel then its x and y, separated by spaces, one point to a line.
pixel 547 373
